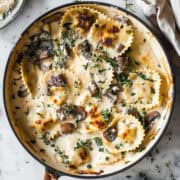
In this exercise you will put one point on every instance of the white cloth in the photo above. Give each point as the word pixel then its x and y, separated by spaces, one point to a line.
pixel 165 14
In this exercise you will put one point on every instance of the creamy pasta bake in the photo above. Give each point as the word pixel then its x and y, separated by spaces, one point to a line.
pixel 87 90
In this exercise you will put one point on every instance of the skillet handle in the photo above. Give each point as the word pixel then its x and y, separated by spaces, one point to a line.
pixel 51 174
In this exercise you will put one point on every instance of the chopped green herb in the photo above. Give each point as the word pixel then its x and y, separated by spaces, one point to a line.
pixel 123 153
pixel 140 149
pixel 87 144
pixel 106 114
pixel 101 149
pixel 96 66
pixel 89 104
pixel 133 94
pixel 39 114
pixel 69 110
pixel 142 117
pixel 45 138
pixel 128 31
pixel 118 146
pixel 123 79
pixel 76 84
pixel 143 76
pixel 98 141
pixel 85 66
pixel 101 82
pixel 89 166
pixel 62 154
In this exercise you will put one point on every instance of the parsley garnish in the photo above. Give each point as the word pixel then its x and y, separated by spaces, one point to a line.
pixel 89 166
pixel 87 144
pixel 76 84
pixel 45 138
pixel 98 141
pixel 123 79
pixel 143 76
pixel 142 118
pixel 85 66
pixel 62 154
pixel 118 146
pixel 133 94
pixel 106 114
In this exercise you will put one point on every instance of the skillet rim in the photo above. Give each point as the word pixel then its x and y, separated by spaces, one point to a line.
pixel 48 167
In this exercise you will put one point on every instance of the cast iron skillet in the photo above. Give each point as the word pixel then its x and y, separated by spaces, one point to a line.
pixel 52 173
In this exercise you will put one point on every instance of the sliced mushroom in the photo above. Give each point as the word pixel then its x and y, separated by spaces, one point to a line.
pixel 44 49
pixel 151 116
pixel 85 21
pixel 68 51
pixel 80 113
pixel 120 47
pixel 93 88
pixel 123 64
pixel 43 35
pixel 112 93
pixel 45 64
pixel 108 41
pixel 133 111
pixel 40 47
pixel 58 81
pixel 110 134
pixel 85 48
pixel 67 128
pixel 112 97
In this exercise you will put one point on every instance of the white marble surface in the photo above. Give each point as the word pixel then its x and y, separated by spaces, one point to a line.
pixel 17 164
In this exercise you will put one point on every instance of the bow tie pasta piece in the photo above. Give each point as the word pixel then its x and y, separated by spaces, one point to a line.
pixel 143 91
pixel 60 86
pixel 124 134
pixel 76 23
pixel 111 35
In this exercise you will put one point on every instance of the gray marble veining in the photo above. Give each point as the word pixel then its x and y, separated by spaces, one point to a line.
pixel 163 163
